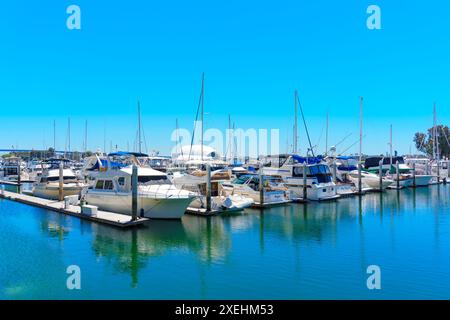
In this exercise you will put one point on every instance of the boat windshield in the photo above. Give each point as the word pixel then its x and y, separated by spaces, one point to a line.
pixel 160 179
pixel 319 169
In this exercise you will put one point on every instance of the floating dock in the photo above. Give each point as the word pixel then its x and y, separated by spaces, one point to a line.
pixel 105 217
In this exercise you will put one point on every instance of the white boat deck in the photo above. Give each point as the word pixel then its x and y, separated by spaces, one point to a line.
pixel 111 218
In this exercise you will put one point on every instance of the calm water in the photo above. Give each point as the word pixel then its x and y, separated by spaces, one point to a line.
pixel 319 250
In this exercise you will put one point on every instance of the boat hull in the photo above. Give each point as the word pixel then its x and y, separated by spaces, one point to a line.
pixel 52 192
pixel 149 207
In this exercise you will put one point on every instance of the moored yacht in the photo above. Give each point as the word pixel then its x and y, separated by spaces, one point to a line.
pixel 47 184
pixel 247 185
pixel 318 176
pixel 158 198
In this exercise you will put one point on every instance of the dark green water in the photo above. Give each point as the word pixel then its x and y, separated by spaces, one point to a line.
pixel 319 250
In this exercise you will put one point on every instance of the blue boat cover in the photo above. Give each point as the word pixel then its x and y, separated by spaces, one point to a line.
pixel 307 160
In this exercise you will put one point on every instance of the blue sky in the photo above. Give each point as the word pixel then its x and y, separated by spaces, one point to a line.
pixel 254 55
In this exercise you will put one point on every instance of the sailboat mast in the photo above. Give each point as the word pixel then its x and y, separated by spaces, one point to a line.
pixel 85 136
pixel 229 137
pixel 202 114
pixel 69 134
pixel 326 137
pixel 360 127
pixel 295 122
pixel 139 128
pixel 390 145
pixel 54 135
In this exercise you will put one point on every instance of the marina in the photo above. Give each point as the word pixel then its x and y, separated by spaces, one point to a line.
pixel 243 151
pixel 316 249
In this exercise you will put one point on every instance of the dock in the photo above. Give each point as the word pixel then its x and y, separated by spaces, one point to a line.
pixel 104 217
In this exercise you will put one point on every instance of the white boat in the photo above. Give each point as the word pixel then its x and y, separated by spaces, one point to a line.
pixel 248 186
pixel 158 198
pixel 220 201
pixel 10 169
pixel 318 176
pixel 47 184
pixel 405 172
pixel 370 180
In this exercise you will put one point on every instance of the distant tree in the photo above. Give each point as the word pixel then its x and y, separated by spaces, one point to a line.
pixel 424 142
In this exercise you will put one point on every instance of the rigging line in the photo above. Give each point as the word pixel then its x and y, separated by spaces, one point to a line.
pixel 352 145
pixel 196 118
pixel 320 137
pixel 445 135
pixel 306 127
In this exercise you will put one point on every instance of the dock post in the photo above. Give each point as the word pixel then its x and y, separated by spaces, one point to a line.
pixel 334 172
pixel 438 172
pixel 448 170
pixel 19 182
pixel 134 192
pixel 305 190
pixel 397 172
pixel 380 173
pixel 414 174
pixel 261 187
pixel 359 178
pixel 61 181
pixel 208 188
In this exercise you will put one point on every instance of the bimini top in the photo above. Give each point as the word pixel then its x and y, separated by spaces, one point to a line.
pixel 126 153
pixel 99 163
pixel 345 158
pixel 307 160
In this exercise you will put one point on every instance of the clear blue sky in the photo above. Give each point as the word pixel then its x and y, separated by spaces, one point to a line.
pixel 254 54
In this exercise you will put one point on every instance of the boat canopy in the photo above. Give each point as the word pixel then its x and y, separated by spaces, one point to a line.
pixel 126 153
pixel 307 160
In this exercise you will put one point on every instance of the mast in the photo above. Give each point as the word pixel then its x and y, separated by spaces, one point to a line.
pixel 54 135
pixel 295 122
pixel 85 136
pixel 139 128
pixel 229 137
pixel 360 127
pixel 436 135
pixel 390 145
pixel 202 113
pixel 326 137
pixel 69 135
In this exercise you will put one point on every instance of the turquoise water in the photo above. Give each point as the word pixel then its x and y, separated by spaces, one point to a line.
pixel 318 250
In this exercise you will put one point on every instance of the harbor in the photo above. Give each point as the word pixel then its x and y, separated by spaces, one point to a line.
pixel 301 251
pixel 232 157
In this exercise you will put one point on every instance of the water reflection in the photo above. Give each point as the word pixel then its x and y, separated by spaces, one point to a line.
pixel 211 240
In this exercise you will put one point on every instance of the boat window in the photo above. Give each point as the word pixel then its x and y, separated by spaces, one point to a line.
pixel 121 181
pixel 108 185
pixel 99 184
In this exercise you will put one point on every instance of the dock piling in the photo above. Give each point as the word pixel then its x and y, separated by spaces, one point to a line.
pixel 397 174
pixel 18 179
pixel 208 188
pixel 380 173
pixel 359 178
pixel 438 172
pixel 134 192
pixel 61 181
pixel 261 187
pixel 305 190
pixel 414 174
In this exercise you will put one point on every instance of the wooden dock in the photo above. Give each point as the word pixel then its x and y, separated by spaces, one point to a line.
pixel 105 217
